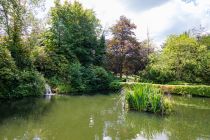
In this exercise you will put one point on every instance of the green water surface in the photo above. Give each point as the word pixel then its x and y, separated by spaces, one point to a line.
pixel 101 117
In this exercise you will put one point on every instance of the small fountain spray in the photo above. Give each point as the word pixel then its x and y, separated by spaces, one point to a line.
pixel 48 90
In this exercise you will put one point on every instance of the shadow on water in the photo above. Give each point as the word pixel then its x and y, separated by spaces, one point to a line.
pixel 101 117
pixel 185 123
pixel 25 108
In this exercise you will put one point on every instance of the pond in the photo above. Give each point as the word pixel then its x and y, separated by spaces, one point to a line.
pixel 101 117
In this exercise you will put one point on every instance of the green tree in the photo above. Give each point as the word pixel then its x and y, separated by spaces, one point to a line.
pixel 182 59
pixel 14 20
pixel 100 53
pixel 74 31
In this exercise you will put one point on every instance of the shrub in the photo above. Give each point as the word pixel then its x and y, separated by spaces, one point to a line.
pixel 31 83
pixel 147 98
pixel 15 82
pixel 196 90
pixel 76 78
pixel 64 88
pixel 98 79
pixel 80 79
pixel 115 85
pixel 157 74
pixel 8 72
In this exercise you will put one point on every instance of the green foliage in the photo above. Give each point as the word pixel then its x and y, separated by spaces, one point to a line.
pixel 15 82
pixel 74 31
pixel 83 79
pixel 115 85
pixel 15 16
pixel 8 72
pixel 76 77
pixel 182 59
pixel 99 79
pixel 147 98
pixel 65 54
pixel 26 83
pixel 63 88
pixel 31 83
pixel 195 90
pixel 89 79
pixel 205 40
pixel 100 54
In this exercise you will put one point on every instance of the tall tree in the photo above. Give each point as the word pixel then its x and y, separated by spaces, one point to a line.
pixel 14 15
pixel 182 59
pixel 123 40
pixel 100 53
pixel 74 31
pixel 125 53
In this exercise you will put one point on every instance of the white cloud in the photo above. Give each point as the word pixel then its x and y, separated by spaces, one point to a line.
pixel 174 16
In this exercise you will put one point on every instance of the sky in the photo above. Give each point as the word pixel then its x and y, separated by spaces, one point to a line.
pixel 159 17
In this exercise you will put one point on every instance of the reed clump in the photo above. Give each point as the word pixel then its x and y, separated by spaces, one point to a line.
pixel 147 98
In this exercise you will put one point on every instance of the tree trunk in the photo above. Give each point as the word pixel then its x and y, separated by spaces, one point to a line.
pixel 120 73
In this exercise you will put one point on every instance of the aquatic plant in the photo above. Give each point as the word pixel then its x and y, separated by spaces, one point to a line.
pixel 147 98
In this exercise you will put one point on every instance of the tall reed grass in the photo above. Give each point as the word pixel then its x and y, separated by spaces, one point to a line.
pixel 147 98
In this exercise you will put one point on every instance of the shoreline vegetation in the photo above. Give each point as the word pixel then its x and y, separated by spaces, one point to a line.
pixel 147 98
pixel 193 90
pixel 153 98
pixel 70 53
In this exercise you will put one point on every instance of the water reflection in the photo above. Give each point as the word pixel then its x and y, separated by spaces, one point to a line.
pixel 187 122
pixel 91 122
pixel 101 118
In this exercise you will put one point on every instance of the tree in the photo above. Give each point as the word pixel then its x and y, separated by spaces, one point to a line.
pixel 14 15
pixel 123 40
pixel 100 53
pixel 125 53
pixel 74 31
pixel 182 59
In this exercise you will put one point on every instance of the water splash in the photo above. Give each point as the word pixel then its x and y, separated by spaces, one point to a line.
pixel 48 90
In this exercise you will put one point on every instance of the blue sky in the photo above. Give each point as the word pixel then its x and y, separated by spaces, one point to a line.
pixel 161 17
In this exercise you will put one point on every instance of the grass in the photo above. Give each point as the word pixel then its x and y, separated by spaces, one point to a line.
pixel 194 90
pixel 147 98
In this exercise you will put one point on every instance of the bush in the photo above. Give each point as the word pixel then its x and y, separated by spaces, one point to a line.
pixel 115 85
pixel 76 78
pixel 196 90
pixel 64 88
pixel 80 79
pixel 26 83
pixel 156 74
pixel 17 83
pixel 97 79
pixel 31 83
pixel 8 73
pixel 147 98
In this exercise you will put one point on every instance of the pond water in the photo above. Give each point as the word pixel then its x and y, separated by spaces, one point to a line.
pixel 101 117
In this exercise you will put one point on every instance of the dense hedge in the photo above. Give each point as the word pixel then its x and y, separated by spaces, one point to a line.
pixel 195 90
pixel 26 83
pixel 83 80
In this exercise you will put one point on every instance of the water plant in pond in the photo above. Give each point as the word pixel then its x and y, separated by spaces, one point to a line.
pixel 147 98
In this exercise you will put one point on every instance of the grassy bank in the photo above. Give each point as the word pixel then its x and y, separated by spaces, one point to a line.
pixel 194 90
